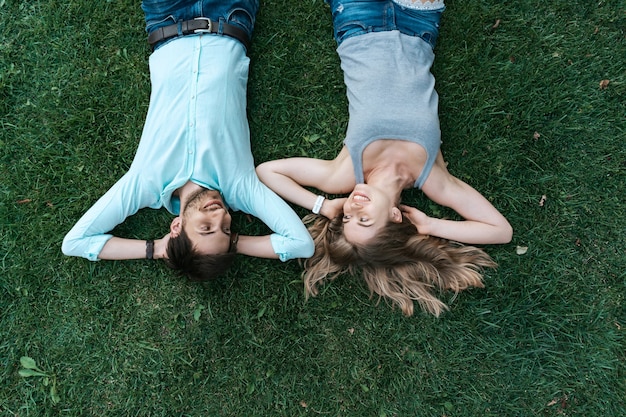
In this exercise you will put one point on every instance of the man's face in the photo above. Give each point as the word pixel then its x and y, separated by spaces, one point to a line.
pixel 207 222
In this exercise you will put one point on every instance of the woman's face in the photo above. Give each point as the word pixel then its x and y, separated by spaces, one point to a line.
pixel 366 211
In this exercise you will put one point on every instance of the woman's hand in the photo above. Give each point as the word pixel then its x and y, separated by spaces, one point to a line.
pixel 332 207
pixel 415 216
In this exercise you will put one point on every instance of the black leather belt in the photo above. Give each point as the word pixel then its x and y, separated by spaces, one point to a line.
pixel 198 25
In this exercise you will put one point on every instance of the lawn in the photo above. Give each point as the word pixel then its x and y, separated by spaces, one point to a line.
pixel 533 115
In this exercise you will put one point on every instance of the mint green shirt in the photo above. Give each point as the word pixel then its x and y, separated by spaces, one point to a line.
pixel 196 130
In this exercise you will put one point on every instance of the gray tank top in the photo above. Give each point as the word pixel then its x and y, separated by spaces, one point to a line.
pixel 391 95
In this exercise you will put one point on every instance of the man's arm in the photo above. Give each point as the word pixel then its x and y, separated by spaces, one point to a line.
pixel 118 248
pixel 90 238
pixel 290 238
pixel 257 246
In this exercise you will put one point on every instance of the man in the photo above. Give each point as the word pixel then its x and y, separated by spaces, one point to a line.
pixel 194 156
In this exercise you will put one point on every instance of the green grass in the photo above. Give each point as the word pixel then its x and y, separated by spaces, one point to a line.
pixel 546 337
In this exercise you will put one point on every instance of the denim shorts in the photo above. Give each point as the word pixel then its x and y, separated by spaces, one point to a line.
pixel 356 17
pixel 240 13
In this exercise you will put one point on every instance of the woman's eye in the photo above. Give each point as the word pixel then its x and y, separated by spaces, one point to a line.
pixel 363 219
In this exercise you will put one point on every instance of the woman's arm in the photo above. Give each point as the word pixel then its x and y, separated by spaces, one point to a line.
pixel 483 223
pixel 289 177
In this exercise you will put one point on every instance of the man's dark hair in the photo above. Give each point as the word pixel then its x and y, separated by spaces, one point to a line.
pixel 186 260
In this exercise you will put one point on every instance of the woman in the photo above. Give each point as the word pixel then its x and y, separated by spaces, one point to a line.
pixel 392 143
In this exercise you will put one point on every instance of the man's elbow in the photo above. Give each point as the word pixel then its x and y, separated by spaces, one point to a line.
pixel 306 249
pixel 309 249
pixel 68 247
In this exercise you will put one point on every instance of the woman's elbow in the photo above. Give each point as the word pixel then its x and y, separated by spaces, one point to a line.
pixel 263 169
pixel 506 233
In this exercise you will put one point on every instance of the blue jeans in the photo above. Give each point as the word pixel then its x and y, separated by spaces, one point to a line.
pixel 356 17
pixel 240 13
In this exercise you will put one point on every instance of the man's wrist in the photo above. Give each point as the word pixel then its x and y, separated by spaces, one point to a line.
pixel 150 249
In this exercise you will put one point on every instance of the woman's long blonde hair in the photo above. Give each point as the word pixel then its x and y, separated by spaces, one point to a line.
pixel 399 264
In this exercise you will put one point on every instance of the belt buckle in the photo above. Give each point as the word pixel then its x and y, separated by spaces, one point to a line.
pixel 209 23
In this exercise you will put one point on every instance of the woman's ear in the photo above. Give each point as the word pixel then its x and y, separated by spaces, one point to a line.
pixel 176 226
pixel 396 215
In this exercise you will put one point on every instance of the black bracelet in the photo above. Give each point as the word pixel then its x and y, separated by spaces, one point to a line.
pixel 150 249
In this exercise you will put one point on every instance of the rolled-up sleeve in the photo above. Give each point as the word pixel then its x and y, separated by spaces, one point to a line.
pixel 291 239
pixel 89 235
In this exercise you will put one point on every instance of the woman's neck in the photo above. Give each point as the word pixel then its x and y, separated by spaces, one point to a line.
pixel 395 161
pixel 391 179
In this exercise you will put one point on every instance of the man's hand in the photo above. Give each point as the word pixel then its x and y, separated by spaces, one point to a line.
pixel 160 247
pixel 332 208
pixel 417 217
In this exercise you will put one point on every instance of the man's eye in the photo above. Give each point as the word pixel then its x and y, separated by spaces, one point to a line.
pixel 346 217
pixel 363 219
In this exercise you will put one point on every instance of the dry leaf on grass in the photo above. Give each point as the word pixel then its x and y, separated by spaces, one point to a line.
pixel 604 84
pixel 543 200
pixel 521 250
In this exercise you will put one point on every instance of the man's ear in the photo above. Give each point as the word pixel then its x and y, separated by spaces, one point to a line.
pixel 176 226
pixel 396 215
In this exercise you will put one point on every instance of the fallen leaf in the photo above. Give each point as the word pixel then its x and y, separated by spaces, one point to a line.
pixel 521 250
pixel 24 201
pixel 303 404
pixel 551 403
pixel 536 135
pixel 604 84
pixel 351 330
pixel 496 24
pixel 543 200
pixel 577 242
